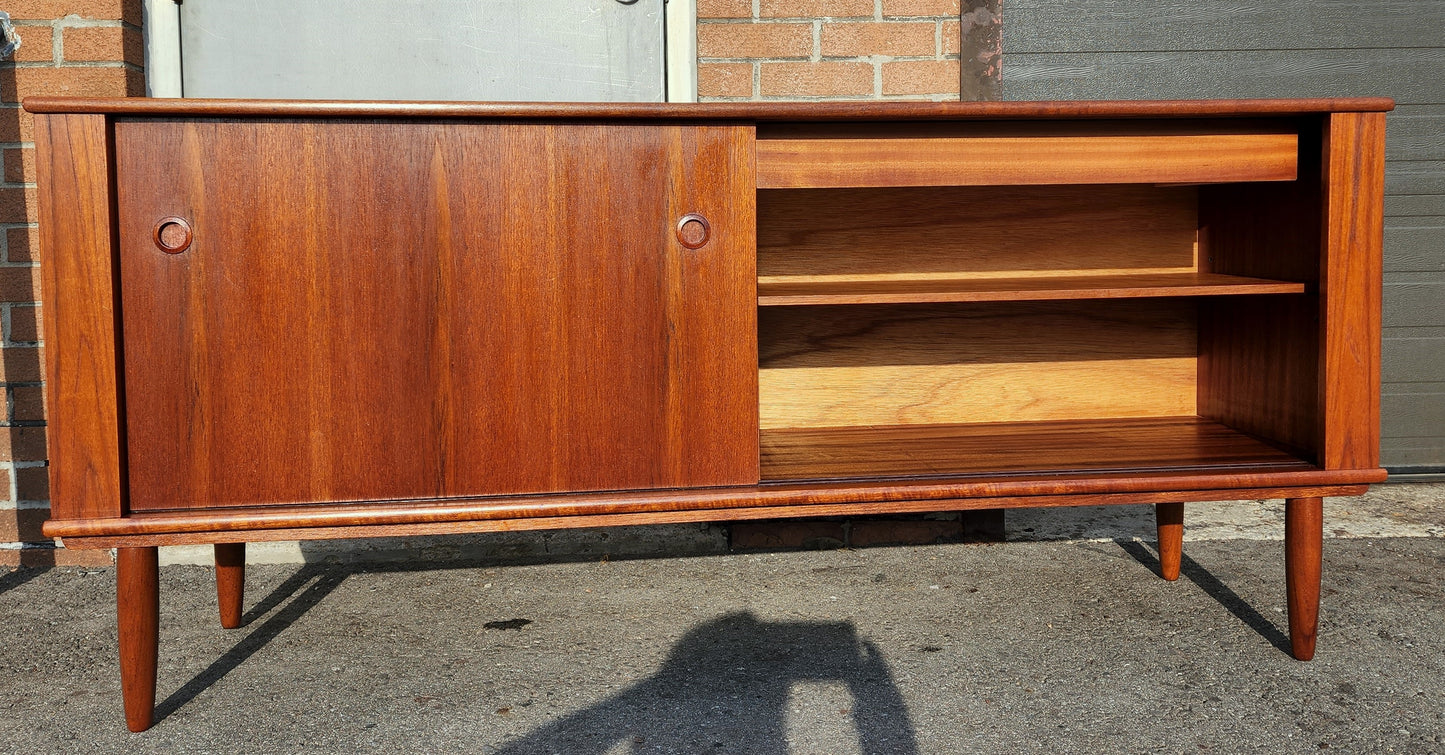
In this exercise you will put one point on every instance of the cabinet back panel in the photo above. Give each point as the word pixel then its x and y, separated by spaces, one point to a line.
pixel 397 310
pixel 975 232
pixel 905 364
pixel 1259 364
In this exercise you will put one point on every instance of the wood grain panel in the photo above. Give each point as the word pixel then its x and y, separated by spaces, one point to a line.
pixel 1000 447
pixel 1410 75
pixel 1350 290
pixel 1259 356
pixel 383 310
pixel 972 232
pixel 998 159
pixel 1415 177
pixel 887 365
pixel 82 374
pixel 1417 244
pixel 790 293
pixel 1140 26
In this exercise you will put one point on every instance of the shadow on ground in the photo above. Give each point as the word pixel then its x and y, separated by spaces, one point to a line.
pixel 730 672
pixel 1214 588
pixel 736 668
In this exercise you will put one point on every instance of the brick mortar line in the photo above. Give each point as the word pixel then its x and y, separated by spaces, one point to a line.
pixel 74 21
pixel 68 64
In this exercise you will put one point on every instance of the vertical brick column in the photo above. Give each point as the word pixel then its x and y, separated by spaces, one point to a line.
pixel 828 49
pixel 81 48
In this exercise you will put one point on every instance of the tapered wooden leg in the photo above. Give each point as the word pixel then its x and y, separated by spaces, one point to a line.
pixel 137 593
pixel 1169 517
pixel 230 581
pixel 1303 540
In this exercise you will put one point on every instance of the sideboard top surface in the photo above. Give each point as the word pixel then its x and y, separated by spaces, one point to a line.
pixel 741 111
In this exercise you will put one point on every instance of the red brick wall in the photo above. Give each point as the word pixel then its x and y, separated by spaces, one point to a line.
pixel 828 49
pixel 68 47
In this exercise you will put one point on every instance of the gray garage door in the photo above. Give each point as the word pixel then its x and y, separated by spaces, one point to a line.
pixel 1130 49
pixel 599 50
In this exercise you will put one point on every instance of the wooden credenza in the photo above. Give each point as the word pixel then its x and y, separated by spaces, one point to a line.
pixel 292 320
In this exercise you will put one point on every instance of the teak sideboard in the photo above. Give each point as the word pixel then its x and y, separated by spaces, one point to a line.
pixel 290 320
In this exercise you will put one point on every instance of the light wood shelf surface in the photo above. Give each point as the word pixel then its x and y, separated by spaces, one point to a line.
pixel 905 291
pixel 1175 443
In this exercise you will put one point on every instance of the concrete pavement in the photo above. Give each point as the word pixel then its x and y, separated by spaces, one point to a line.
pixel 1038 646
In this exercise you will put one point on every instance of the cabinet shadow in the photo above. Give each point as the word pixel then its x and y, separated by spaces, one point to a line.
pixel 1214 588
pixel 724 687
pixel 735 674
pixel 318 580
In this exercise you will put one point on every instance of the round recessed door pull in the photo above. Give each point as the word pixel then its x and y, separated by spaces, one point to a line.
pixel 173 235
pixel 693 230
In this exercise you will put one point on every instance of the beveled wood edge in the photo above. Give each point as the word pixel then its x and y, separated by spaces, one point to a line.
pixel 761 111
pixel 708 504
pixel 121 539
pixel 944 291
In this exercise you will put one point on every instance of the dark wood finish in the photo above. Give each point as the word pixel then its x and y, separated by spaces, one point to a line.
pixel 83 395
pixel 539 331
pixel 1018 289
pixel 1169 520
pixel 1303 542
pixel 1259 356
pixel 230 582
pixel 743 111
pixel 1176 443
pixel 959 232
pixel 515 511
pixel 210 525
pixel 1350 286
pixel 389 319
pixel 137 599
pixel 173 235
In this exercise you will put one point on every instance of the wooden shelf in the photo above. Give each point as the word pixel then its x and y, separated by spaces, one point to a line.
pixel 906 291
pixel 1134 445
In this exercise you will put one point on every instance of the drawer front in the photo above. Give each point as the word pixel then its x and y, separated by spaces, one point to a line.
pixel 341 311
pixel 801 156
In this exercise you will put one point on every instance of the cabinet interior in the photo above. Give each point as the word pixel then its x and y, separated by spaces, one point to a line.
pixel 947 330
